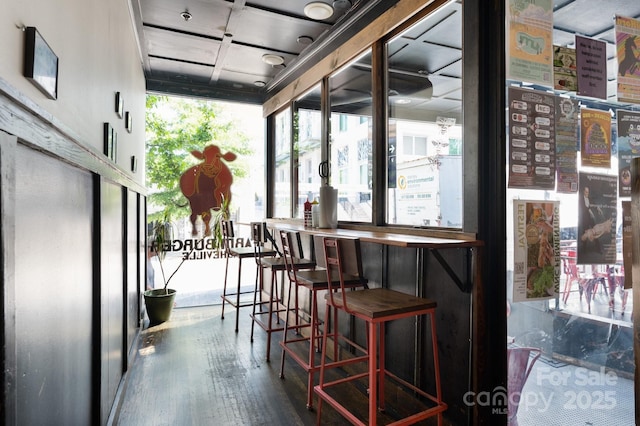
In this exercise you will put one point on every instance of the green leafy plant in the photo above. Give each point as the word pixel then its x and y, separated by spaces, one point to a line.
pixel 162 234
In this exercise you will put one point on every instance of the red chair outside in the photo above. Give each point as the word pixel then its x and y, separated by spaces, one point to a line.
pixel 519 363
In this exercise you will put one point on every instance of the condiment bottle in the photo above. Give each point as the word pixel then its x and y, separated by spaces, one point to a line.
pixel 307 214
pixel 315 213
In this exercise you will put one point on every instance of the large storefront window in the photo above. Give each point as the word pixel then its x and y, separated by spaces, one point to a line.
pixel 282 190
pixel 308 153
pixel 351 139
pixel 424 78
pixel 572 123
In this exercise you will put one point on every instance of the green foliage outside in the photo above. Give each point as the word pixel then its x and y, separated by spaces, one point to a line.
pixel 174 128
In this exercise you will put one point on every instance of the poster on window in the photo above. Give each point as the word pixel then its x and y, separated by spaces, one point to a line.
pixel 536 270
pixel 591 56
pixel 628 54
pixel 567 144
pixel 628 148
pixel 627 247
pixel 565 75
pixel 597 213
pixel 530 41
pixel 532 147
pixel 595 138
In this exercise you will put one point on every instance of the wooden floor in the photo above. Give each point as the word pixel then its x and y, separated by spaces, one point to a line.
pixel 195 370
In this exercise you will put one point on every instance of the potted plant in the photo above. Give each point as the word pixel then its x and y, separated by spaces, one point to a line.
pixel 160 301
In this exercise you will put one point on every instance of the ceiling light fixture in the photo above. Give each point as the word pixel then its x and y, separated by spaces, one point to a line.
pixel 318 10
pixel 341 5
pixel 259 83
pixel 186 15
pixel 272 59
pixel 305 40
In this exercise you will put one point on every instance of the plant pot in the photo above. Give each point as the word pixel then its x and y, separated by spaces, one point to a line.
pixel 159 304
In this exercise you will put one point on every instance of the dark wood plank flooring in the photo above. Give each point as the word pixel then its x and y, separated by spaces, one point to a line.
pixel 195 370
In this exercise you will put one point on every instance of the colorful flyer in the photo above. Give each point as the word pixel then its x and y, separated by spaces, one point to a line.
pixel 530 41
pixel 628 148
pixel 627 246
pixel 536 269
pixel 595 141
pixel 565 74
pixel 628 54
pixel 532 147
pixel 597 213
pixel 567 111
pixel 592 67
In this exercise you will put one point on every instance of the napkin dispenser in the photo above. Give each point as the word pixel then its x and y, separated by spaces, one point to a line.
pixel 328 207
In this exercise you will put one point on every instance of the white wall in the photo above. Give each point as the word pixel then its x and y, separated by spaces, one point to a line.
pixel 98 56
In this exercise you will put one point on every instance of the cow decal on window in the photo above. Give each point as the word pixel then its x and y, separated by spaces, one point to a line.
pixel 207 184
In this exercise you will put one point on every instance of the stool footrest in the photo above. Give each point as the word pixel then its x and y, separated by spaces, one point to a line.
pixel 303 361
pixel 439 407
pixel 231 299
pixel 264 325
pixel 299 359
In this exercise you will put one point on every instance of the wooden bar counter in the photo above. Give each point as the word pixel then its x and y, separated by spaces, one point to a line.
pixel 423 262
pixel 400 237
pixel 418 238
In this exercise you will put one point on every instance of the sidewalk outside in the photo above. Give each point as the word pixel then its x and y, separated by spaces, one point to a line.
pixel 200 281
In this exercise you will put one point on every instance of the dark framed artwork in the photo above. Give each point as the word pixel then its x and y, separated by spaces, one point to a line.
pixel 128 121
pixel 108 140
pixel 119 105
pixel 114 154
pixel 40 63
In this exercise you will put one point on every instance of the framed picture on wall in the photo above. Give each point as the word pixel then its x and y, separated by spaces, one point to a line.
pixel 109 141
pixel 119 105
pixel 40 63
pixel 128 121
pixel 114 152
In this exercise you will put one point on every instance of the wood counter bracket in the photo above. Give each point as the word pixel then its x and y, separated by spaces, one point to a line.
pixel 464 286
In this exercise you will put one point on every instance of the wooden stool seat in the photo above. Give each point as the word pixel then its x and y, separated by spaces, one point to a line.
pixel 279 264
pixel 317 279
pixel 378 303
pixel 241 252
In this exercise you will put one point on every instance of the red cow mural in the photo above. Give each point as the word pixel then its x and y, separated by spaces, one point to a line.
pixel 206 184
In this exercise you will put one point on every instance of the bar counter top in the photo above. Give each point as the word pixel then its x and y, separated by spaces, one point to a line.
pixel 386 236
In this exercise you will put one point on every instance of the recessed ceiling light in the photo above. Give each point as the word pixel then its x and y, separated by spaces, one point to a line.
pixel 259 83
pixel 305 40
pixel 186 16
pixel 341 4
pixel 402 101
pixel 318 10
pixel 272 59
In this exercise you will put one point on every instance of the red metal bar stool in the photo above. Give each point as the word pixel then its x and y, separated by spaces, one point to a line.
pixel 298 321
pixel 234 298
pixel 519 367
pixel 375 307
pixel 265 318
